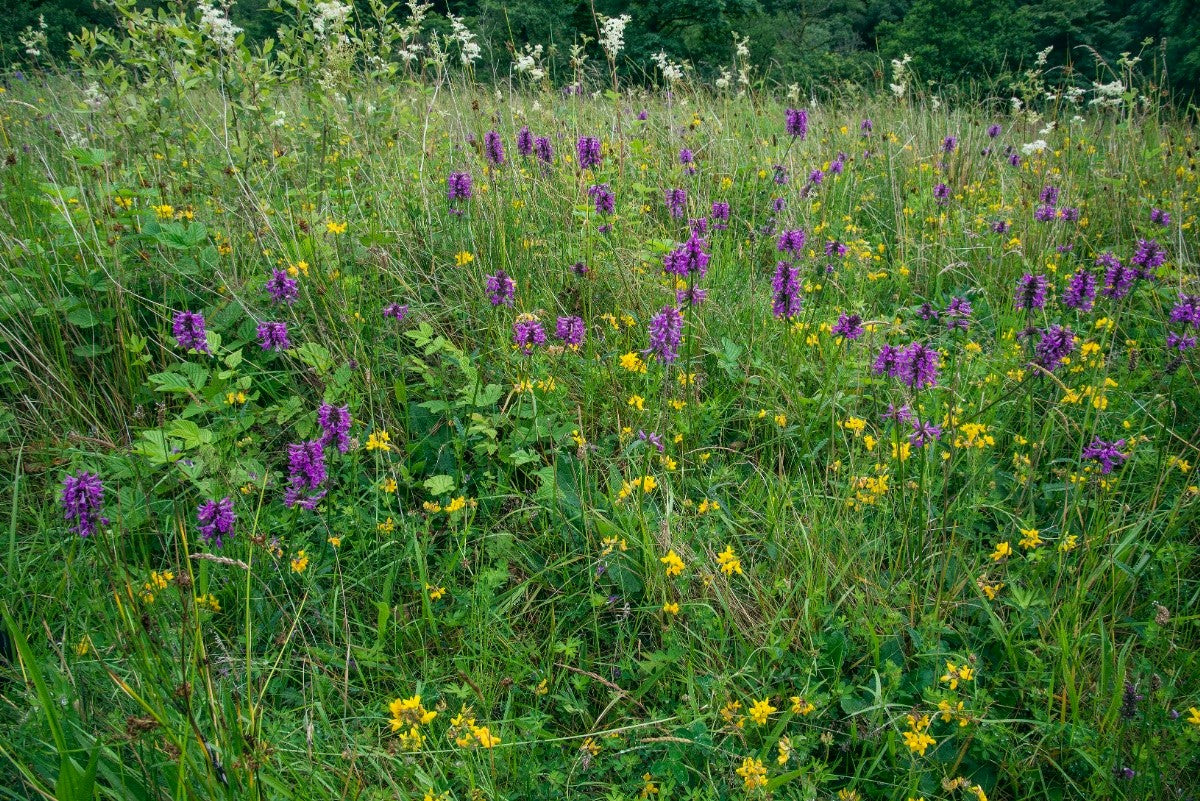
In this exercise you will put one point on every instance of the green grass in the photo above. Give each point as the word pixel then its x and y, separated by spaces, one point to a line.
pixel 862 573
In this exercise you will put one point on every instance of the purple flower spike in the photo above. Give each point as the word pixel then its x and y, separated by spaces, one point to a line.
pixel 666 332
pixel 188 329
pixel 273 336
pixel 82 497
pixel 216 520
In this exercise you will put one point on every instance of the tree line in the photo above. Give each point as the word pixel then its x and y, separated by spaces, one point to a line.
pixel 978 47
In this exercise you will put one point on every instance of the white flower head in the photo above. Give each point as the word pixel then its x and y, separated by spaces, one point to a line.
pixel 215 24
pixel 612 35
pixel 1036 146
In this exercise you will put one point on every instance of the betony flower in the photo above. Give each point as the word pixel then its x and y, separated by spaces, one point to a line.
pixel 525 141
pixel 791 242
pixel 543 150
pixel 785 288
pixel 1118 279
pixel 1056 344
pixel 188 329
pixel 666 332
pixel 1108 454
pixel 501 289
pixel 82 497
pixel 570 330
pixel 493 148
pixel 528 333
pixel 335 425
pixel 1081 291
pixel 216 520
pixel 282 287
pixel 958 314
pixel 588 150
pixel 848 326
pixel 273 336
pixel 796 123
pixel 603 198
pixel 458 187
pixel 676 200
pixel 1031 292
pixel 918 366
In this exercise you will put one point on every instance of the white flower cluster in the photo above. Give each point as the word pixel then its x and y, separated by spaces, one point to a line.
pixel 1036 146
pixel 725 80
pixel 469 50
pixel 93 97
pixel 215 24
pixel 1108 95
pixel 330 19
pixel 612 35
pixel 33 40
pixel 410 50
pixel 529 63
pixel 670 70
pixel 899 83
pixel 1042 55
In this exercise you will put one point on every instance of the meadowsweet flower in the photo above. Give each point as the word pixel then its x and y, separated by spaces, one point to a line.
pixel 501 289
pixel 1031 292
pixel 273 336
pixel 216 520
pixel 1108 454
pixel 82 498
pixel 796 123
pixel 570 330
pixel 528 333
pixel 587 148
pixel 188 329
pixel 666 332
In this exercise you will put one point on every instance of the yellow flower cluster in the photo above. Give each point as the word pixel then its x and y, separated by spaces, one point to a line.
pixel 729 561
pixel 466 734
pixel 917 737
pixel 753 773
pixel 407 718
pixel 158 582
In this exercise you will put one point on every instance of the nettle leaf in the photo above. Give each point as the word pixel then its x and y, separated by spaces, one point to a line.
pixel 439 485
pixel 315 356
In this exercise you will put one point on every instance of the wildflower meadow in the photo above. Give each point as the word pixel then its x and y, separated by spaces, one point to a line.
pixel 375 428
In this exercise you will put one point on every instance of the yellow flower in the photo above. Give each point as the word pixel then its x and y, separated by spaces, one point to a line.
pixel 335 541
pixel 379 441
pixel 388 485
pixel 300 561
pixel 463 258
pixel 1068 543
pixel 954 674
pixel 164 212
pixel 673 562
pixel 729 562
pixel 1194 716
pixel 781 419
pixel 761 711
pixel 335 227
pixel 671 608
pixel 455 505
pixel 632 362
pixel 1030 539
pixel 707 506
pixel 785 750
pixel 990 588
pixel 435 593
pixel 409 712
pixel 387 526
pixel 543 687
pixel 1002 550
pixel 801 706
pixel 208 602
pixel 637 402
pixel 753 773
pixel 918 740
pixel 648 787
pixel 730 713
